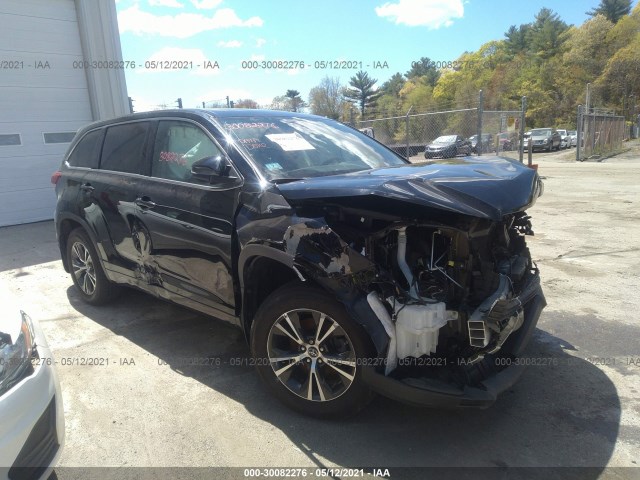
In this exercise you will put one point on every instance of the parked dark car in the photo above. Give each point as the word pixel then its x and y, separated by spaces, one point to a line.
pixel 486 144
pixel 448 146
pixel 350 270
pixel 545 139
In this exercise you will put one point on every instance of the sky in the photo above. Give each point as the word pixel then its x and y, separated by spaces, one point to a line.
pixel 255 49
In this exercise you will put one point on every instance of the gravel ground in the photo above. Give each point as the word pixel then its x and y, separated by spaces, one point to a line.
pixel 579 408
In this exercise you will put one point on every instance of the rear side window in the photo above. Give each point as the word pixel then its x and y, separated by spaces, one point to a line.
pixel 178 145
pixel 85 153
pixel 124 148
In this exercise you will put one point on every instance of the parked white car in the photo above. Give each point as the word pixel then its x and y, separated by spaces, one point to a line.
pixel 573 134
pixel 566 139
pixel 31 411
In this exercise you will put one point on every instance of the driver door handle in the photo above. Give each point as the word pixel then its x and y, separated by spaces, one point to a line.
pixel 145 203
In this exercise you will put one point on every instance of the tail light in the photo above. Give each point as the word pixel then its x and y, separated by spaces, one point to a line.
pixel 55 177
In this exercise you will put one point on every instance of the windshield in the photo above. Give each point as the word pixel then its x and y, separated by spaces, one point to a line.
pixel 541 132
pixel 284 147
pixel 445 139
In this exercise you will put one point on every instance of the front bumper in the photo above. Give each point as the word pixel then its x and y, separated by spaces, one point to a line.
pixel 441 153
pixel 32 420
pixel 541 146
pixel 428 392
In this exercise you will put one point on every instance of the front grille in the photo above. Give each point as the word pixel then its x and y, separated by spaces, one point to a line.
pixel 40 448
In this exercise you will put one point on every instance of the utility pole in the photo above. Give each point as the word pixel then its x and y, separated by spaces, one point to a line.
pixel 228 104
pixel 480 112
pixel 407 131
pixel 633 115
pixel 579 124
pixel 587 111
pixel 523 112
pixel 179 100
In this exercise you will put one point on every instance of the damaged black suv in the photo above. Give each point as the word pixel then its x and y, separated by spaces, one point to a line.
pixel 350 270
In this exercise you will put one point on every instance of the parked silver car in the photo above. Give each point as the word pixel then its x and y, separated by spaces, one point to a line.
pixel 545 139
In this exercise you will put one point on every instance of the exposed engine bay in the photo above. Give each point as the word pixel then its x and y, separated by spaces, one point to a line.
pixel 446 294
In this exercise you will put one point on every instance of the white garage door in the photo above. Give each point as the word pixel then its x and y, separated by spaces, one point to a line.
pixel 43 101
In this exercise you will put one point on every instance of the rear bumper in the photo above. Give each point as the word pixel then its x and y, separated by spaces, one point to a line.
pixel 427 392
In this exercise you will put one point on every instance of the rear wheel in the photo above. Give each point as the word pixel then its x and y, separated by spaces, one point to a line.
pixel 309 352
pixel 86 271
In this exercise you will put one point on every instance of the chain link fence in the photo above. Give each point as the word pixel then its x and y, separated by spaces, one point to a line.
pixel 600 133
pixel 501 130
pixel 475 130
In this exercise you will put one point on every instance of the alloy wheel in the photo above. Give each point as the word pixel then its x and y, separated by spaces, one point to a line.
pixel 83 268
pixel 311 355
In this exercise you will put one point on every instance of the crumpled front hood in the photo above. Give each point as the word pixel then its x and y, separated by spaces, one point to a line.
pixel 485 187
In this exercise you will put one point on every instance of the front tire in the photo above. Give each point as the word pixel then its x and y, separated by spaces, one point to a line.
pixel 86 271
pixel 309 352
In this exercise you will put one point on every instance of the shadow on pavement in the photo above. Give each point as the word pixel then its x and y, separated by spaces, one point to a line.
pixel 565 415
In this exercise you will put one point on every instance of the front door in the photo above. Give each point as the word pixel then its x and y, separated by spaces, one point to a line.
pixel 184 222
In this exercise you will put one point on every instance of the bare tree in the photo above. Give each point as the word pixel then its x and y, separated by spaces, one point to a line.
pixel 280 102
pixel 246 103
pixel 327 98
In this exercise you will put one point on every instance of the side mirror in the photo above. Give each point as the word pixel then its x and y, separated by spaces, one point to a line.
pixel 210 166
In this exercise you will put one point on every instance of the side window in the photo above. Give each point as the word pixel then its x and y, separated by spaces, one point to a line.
pixel 178 145
pixel 124 148
pixel 86 152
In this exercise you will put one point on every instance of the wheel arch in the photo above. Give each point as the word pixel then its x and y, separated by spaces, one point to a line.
pixel 262 270
pixel 64 227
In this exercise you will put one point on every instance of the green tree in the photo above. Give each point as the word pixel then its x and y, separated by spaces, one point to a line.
pixel 545 36
pixel 625 30
pixel 424 68
pixel 588 48
pixel 295 101
pixel 621 76
pixel 393 85
pixel 613 10
pixel 516 39
pixel 326 99
pixel 362 91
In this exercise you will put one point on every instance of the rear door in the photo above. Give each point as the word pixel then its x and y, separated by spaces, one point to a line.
pixel 184 222
pixel 108 195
